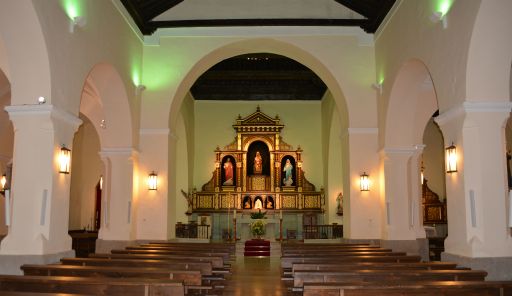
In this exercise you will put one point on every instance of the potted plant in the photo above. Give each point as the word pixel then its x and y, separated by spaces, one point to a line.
pixel 258 228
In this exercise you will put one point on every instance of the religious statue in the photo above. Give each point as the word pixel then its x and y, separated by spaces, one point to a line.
pixel 258 164
pixel 270 205
pixel 228 172
pixel 189 198
pixel 247 203
pixel 288 167
pixel 257 204
pixel 339 204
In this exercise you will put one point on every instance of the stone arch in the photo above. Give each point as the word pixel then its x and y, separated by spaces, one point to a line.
pixel 25 47
pixel 490 53
pixel 412 102
pixel 105 102
pixel 254 46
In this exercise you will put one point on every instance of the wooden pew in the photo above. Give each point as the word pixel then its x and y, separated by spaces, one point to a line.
pixel 204 267
pixel 216 261
pixel 12 293
pixel 286 262
pixel 225 256
pixel 189 277
pixel 445 288
pixel 334 252
pixel 370 265
pixel 378 276
pixel 92 285
pixel 345 254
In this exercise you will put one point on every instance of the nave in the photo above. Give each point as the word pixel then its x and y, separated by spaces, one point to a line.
pixel 178 269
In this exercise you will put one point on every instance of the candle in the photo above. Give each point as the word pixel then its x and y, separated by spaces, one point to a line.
pixel 7 207
pixel 234 212
pixel 280 214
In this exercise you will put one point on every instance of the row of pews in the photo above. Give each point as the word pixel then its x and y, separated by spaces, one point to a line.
pixel 360 269
pixel 160 268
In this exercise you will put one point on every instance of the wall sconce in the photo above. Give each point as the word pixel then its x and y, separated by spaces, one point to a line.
pixel 41 100
pixel 3 183
pixel 437 17
pixel 152 181
pixel 76 21
pixel 139 89
pixel 377 87
pixel 364 182
pixel 451 159
pixel 64 160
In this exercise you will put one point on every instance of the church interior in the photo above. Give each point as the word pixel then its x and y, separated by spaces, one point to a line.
pixel 256 132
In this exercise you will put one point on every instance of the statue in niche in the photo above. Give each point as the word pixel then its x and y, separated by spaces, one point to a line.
pixel 270 203
pixel 247 202
pixel 339 204
pixel 258 205
pixel 288 168
pixel 228 172
pixel 258 164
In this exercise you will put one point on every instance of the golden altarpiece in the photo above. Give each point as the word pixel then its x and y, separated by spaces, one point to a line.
pixel 278 183
pixel 258 171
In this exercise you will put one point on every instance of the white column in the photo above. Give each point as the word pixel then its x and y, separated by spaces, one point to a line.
pixel 118 208
pixel 362 217
pixel 477 192
pixel 39 193
pixel 152 204
pixel 401 195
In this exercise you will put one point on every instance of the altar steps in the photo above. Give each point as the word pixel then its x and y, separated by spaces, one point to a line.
pixel 257 247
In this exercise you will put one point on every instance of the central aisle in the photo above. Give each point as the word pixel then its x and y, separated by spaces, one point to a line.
pixel 253 276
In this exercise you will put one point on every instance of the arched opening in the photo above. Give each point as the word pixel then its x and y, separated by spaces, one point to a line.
pixel 220 133
pixel 105 135
pixel 409 123
pixel 6 150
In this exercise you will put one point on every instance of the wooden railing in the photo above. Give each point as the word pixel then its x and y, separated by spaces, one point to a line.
pixel 322 231
pixel 192 230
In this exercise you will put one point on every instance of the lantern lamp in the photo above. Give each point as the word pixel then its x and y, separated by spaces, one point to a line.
pixel 3 183
pixel 451 159
pixel 152 181
pixel 64 160
pixel 364 182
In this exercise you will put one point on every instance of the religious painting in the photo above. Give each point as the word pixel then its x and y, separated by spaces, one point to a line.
pixel 228 171
pixel 247 202
pixel 288 172
pixel 258 159
pixel 269 202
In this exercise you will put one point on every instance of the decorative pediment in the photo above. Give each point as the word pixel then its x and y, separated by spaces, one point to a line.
pixel 258 122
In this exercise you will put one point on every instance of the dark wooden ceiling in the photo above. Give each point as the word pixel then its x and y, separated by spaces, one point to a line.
pixel 259 76
pixel 144 11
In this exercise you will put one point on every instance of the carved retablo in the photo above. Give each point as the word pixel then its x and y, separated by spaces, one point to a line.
pixel 258 168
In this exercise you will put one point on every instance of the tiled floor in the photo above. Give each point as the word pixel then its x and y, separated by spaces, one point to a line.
pixel 252 276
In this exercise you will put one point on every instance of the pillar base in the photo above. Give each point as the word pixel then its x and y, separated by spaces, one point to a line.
pixel 498 268
pixel 11 263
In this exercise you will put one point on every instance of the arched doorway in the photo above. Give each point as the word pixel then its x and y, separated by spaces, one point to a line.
pixel 6 149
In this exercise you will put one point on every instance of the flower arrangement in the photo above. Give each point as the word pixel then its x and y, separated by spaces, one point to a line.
pixel 257 228
pixel 258 215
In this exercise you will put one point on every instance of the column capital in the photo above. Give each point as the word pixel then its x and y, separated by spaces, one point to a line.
pixel 118 151
pixel 473 107
pixel 19 111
